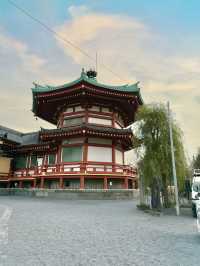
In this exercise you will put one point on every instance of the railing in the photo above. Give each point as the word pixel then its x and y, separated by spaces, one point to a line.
pixel 3 177
pixel 77 168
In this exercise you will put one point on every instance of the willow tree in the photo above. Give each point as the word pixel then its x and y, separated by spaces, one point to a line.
pixel 196 161
pixel 155 158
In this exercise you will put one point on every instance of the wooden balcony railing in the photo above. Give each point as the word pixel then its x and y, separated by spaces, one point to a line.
pixel 76 168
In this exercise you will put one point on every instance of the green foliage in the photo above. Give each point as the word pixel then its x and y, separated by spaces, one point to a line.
pixel 155 159
pixel 143 207
pixel 196 160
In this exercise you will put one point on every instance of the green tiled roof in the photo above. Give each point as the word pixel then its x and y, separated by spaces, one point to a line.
pixel 124 88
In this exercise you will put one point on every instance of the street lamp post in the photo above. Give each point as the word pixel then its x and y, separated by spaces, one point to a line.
pixel 173 161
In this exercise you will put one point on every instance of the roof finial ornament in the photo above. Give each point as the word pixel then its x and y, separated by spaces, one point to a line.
pixel 83 72
pixel 91 74
pixel 35 84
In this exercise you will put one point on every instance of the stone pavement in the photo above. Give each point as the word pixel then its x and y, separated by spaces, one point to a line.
pixel 84 233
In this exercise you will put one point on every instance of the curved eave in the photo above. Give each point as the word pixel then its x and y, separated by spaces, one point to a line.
pixel 140 99
pixel 8 142
pixel 133 92
pixel 46 134
pixel 125 135
pixel 38 89
pixel 92 81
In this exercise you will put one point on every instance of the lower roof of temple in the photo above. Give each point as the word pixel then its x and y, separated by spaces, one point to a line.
pixel 46 139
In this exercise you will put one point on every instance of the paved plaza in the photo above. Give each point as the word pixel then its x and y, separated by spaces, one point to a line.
pixel 60 232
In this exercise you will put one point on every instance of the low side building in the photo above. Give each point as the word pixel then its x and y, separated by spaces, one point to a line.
pixel 8 141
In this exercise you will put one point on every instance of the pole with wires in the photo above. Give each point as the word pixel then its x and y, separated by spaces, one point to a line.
pixel 173 160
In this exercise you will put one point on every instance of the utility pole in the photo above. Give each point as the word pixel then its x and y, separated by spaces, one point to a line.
pixel 173 160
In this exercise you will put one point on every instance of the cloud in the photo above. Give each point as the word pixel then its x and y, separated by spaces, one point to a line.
pixel 19 67
pixel 98 32
pixel 138 52
pixel 188 64
pixel 77 11
pixel 129 47
pixel 12 48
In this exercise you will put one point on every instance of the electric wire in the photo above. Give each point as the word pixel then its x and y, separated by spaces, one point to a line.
pixel 66 41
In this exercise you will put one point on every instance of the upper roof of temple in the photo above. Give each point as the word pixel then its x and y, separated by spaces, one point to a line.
pixel 88 79
pixel 48 101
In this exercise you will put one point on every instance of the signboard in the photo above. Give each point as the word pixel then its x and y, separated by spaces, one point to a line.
pixel 5 165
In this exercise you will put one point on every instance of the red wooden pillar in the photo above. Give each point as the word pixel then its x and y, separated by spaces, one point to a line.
pixel 113 119
pixel 136 183
pixel 58 160
pixel 85 152
pixel 86 115
pixel 123 157
pixel 82 182
pixel 105 183
pixel 20 184
pixel 85 156
pixel 34 183
pixel 113 156
pixel 126 182
pixel 42 182
pixel 62 120
pixel 61 183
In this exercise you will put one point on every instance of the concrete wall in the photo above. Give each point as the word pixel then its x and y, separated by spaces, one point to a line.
pixel 73 194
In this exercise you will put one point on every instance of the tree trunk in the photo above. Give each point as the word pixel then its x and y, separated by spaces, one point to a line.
pixel 142 188
pixel 155 194
pixel 165 191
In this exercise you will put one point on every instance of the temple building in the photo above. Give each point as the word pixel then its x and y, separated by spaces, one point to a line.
pixel 86 150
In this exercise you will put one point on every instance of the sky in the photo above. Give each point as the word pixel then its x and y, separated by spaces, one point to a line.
pixel 153 42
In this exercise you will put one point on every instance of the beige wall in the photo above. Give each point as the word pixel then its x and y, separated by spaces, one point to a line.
pixel 4 165
pixel 100 154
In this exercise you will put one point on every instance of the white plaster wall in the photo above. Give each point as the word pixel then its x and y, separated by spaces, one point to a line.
pixel 99 154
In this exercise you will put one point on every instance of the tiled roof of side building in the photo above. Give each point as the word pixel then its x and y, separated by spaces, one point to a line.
pixel 11 134
pixel 30 138
pixel 19 137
